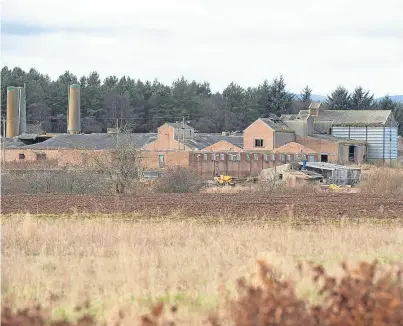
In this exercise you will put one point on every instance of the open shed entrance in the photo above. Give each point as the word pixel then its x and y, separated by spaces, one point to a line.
pixel 324 158
pixel 351 153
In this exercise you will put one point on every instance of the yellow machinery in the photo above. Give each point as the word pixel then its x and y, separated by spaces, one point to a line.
pixel 335 188
pixel 224 180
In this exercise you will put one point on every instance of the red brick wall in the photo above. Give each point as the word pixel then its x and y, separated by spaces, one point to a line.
pixel 243 168
pixel 166 140
pixel 258 130
pixel 321 146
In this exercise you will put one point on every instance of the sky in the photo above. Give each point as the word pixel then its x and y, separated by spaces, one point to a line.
pixel 322 43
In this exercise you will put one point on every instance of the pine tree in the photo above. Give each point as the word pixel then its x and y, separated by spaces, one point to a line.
pixel 279 99
pixel 361 100
pixel 386 103
pixel 339 99
pixel 306 94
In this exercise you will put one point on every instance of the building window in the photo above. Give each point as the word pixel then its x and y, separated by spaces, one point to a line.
pixel 266 158
pixel 40 156
pixel 311 158
pixel 230 157
pixel 273 157
pixel 161 161
pixel 21 156
pixel 255 157
pixel 238 156
pixel 247 156
pixel 205 156
pixel 222 157
pixel 282 158
pixel 288 158
pixel 213 157
pixel 259 143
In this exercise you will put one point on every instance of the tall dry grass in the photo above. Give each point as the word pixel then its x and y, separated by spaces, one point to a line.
pixel 382 180
pixel 133 261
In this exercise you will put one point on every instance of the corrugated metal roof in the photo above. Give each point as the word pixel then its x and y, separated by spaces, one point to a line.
pixel 315 105
pixel 93 141
pixel 200 141
pixel 11 142
pixel 355 117
pixel 276 124
pixel 328 166
pixel 336 139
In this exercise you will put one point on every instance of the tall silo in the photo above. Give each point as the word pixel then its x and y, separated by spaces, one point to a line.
pixel 73 116
pixel 23 109
pixel 13 112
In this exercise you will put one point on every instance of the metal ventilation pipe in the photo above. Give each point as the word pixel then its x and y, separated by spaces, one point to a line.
pixel 73 115
pixel 13 113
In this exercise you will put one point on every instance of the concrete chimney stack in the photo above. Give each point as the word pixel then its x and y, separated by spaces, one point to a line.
pixel 13 114
pixel 73 116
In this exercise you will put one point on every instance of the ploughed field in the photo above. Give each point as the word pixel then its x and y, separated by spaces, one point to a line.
pixel 211 204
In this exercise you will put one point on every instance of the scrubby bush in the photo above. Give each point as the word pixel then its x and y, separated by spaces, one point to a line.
pixel 179 179
pixel 359 298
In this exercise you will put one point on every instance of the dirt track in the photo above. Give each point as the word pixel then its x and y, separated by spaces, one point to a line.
pixel 242 204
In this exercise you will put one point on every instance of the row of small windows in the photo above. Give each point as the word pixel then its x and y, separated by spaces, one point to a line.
pixel 266 157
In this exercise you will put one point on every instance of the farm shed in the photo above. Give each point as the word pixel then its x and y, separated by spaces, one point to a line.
pixel 378 128
pixel 335 173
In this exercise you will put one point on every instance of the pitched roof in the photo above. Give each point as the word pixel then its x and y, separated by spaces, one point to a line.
pixel 336 139
pixel 302 115
pixel 276 124
pixel 294 147
pixel 11 142
pixel 93 141
pixel 355 117
pixel 315 105
pixel 200 141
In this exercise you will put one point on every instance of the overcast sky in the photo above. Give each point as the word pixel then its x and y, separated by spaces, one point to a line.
pixel 322 43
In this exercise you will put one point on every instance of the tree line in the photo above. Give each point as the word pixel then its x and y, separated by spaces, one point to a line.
pixel 145 105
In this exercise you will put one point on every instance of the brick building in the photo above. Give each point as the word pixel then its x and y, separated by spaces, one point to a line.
pixel 317 134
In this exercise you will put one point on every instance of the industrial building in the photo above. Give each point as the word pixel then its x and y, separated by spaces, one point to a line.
pixel 326 136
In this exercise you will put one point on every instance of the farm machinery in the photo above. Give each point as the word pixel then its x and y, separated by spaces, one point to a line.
pixel 226 180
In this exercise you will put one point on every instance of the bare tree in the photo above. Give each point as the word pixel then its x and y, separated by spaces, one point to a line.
pixel 122 165
pixel 269 180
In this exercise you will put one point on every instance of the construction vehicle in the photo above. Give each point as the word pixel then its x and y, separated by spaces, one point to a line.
pixel 226 180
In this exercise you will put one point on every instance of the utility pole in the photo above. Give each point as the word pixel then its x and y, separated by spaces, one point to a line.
pixel 117 132
pixel 183 131
pixel 4 144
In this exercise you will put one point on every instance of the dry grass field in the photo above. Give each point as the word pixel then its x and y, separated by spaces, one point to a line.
pixel 131 262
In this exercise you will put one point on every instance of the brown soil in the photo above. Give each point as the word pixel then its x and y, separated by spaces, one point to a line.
pixel 237 204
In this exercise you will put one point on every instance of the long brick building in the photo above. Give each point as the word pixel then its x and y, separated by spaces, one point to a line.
pixel 317 134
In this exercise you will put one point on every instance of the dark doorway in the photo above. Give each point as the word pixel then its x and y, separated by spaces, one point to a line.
pixel 323 158
pixel 351 153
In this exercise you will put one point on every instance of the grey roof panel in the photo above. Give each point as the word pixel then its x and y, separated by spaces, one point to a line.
pixel 200 141
pixel 355 117
pixel 315 105
pixel 336 139
pixel 276 125
pixel 93 141
pixel 11 143
pixel 329 166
